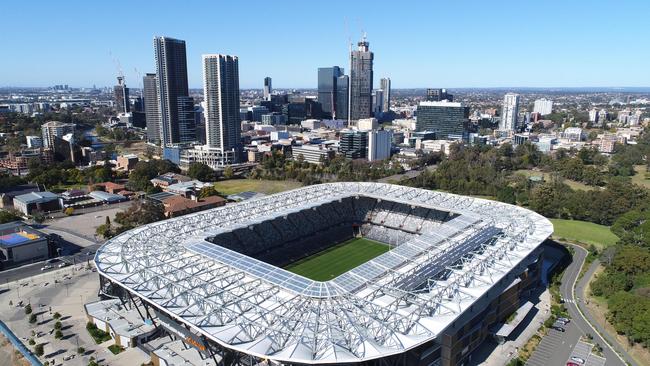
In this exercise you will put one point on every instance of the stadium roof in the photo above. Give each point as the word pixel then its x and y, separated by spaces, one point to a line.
pixel 385 306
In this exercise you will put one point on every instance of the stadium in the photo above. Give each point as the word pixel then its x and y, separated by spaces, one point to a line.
pixel 331 274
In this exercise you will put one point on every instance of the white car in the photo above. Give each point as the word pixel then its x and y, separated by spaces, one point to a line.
pixel 46 267
pixel 63 264
pixel 578 360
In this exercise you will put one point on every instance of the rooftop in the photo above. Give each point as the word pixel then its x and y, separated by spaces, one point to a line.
pixel 37 197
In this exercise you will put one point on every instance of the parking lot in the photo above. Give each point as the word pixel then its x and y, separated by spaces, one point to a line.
pixel 582 352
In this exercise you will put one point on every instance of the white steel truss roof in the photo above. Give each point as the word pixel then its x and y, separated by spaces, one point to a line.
pixel 385 306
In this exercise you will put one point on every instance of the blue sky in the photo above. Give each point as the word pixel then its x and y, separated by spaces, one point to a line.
pixel 416 43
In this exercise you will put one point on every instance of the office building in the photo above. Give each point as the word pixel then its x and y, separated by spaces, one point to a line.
pixel 150 91
pixel 221 93
pixel 438 95
pixel 384 84
pixel 509 112
pixel 267 88
pixel 121 94
pixel 367 124
pixel 447 119
pixel 20 243
pixel 543 106
pixel 314 154
pixel 327 89
pixel 377 102
pixel 256 112
pixel 360 100
pixel 175 107
pixel 379 144
pixel 354 144
pixel 53 130
pixel 342 95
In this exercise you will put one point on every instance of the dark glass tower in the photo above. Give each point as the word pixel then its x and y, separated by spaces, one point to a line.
pixel 150 91
pixel 176 122
pixel 327 90
pixel 361 82
pixel 342 95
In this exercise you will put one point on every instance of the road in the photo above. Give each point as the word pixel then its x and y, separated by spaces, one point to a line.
pixel 557 347
pixel 611 344
pixel 75 249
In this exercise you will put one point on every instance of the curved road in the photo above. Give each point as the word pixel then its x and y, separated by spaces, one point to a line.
pixel 581 317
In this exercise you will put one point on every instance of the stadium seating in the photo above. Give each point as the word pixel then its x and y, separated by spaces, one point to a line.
pixel 284 240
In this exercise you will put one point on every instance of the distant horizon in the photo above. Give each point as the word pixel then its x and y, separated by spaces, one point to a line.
pixel 629 89
pixel 476 44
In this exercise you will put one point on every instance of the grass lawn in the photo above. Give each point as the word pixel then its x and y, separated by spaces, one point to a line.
pixel 233 186
pixel 640 176
pixel 338 259
pixel 547 176
pixel 584 232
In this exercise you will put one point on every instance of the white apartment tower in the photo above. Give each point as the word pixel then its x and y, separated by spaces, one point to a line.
pixel 510 112
pixel 221 92
pixel 543 106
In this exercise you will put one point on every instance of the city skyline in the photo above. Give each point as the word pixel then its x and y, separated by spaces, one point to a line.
pixel 541 52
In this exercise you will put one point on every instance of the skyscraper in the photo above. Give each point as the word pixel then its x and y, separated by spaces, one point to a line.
pixel 221 92
pixel 510 112
pixel 385 87
pixel 360 101
pixel 121 93
pixel 377 102
pixel 150 91
pixel 176 117
pixel 267 88
pixel 327 89
pixel 342 95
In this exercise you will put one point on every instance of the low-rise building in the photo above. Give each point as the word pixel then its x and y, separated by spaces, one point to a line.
pixel 315 154
pixel 20 243
pixel 126 162
pixel 37 202
pixel 125 326
pixel 179 205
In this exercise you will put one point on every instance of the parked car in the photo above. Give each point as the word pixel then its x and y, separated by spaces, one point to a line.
pixel 46 267
pixel 564 320
pixel 63 264
pixel 578 360
pixel 559 329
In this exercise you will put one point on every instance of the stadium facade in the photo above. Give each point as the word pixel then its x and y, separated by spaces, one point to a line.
pixel 457 266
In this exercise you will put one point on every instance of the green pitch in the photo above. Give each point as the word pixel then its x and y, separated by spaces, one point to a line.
pixel 325 265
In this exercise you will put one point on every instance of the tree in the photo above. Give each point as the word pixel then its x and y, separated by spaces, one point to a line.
pixel 58 325
pixel 8 216
pixel 57 315
pixel 38 350
pixel 69 211
pixel 58 334
pixel 201 172
pixel 32 318
pixel 228 173
pixel 208 192
pixel 28 309
pixel 81 350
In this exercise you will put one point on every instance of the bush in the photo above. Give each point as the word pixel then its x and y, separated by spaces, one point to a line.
pixel 28 309
pixel 58 325
pixel 32 342
pixel 92 362
pixel 38 350
pixel 58 334
pixel 69 211
pixel 98 335
pixel 32 319
pixel 115 349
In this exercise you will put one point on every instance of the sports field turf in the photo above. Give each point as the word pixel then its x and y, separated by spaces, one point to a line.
pixel 338 259
pixel 584 232
pixel 233 186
